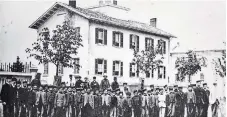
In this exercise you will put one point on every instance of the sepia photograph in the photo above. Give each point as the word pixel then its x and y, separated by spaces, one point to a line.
pixel 113 58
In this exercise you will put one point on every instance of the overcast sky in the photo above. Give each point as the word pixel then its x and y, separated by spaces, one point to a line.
pixel 197 24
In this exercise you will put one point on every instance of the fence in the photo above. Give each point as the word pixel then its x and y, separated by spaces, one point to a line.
pixel 7 67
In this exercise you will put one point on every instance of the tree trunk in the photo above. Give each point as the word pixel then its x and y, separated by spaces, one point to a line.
pixel 57 70
pixel 189 79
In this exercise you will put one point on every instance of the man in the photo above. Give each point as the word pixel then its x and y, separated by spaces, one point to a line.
pixel 23 99
pixel 156 107
pixel 19 92
pixel 78 82
pixel 5 96
pixel 136 104
pixel 31 101
pixel 162 105
pixel 170 103
pixel 12 97
pixel 214 100
pixel 98 104
pixel 199 92
pixel 105 84
pixel 94 84
pixel 86 83
pixel 70 110
pixel 125 89
pixel 88 104
pixel 50 101
pixel 180 102
pixel 70 80
pixel 36 81
pixel 59 103
pixel 190 100
pixel 206 99
pixel 120 105
pixel 144 104
pixel 105 104
pixel 114 84
pixel 78 101
pixel 44 97
pixel 127 106
pixel 113 104
pixel 39 103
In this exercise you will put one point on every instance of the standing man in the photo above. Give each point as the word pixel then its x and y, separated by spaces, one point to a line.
pixel 23 99
pixel 98 104
pixel 113 104
pixel 5 96
pixel 59 103
pixel 125 89
pixel 191 100
pixel 127 105
pixel 199 93
pixel 78 82
pixel 120 100
pixel 44 97
pixel 78 101
pixel 94 84
pixel 105 104
pixel 50 101
pixel 206 99
pixel 12 94
pixel 137 104
pixel 88 104
pixel 105 84
pixel 182 100
pixel 170 103
pixel 19 92
pixel 114 84
pixel 214 100
pixel 162 104
pixel 86 83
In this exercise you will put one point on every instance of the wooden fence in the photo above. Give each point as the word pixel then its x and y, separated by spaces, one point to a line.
pixel 7 67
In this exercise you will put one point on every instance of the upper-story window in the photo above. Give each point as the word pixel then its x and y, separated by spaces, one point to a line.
pixel 46 68
pixel 134 42
pixel 76 66
pixel 100 36
pixel 162 44
pixel 60 69
pixel 149 43
pixel 162 72
pixel 134 70
pixel 117 39
pixel 117 68
pixel 150 74
pixel 100 66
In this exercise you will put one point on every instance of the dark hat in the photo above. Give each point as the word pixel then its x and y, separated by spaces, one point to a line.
pixel 140 91
pixel 175 86
pixel 170 88
pixel 120 92
pixel 125 83
pixel 180 87
pixel 18 82
pixel 70 75
pixel 214 83
pixel 148 91
pixel 199 81
pixel 152 86
pixel 165 86
pixel 193 85
pixel 128 93
pixel 135 91
pixel 94 77
pixel 14 79
pixel 77 77
pixel 190 85
pixel 118 89
pixel 115 78
pixel 62 83
pixel 204 83
pixel 157 88
pixel 25 82
pixel 9 77
pixel 78 89
pixel 109 89
pixel 112 91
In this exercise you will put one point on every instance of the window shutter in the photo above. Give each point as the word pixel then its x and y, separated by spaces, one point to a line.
pixel 158 72
pixel 121 39
pixel 146 39
pixel 164 47
pixel 121 68
pixel 105 66
pixel 113 38
pixel 130 43
pixel 113 68
pixel 152 72
pixel 138 44
pixel 105 37
pixel 164 71
pixel 130 70
pixel 96 35
pixel 96 66
pixel 62 68
pixel 152 44
pixel 137 71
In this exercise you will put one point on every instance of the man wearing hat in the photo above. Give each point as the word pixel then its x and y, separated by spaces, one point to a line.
pixel 12 97
pixel 94 84
pixel 200 93
pixel 206 99
pixel 125 89
pixel 97 104
pixel 180 102
pixel 120 105
pixel 136 104
pixel 50 101
pixel 86 83
pixel 114 84
pixel 144 103
pixel 170 103
pixel 156 107
pixel 214 100
pixel 113 104
pixel 19 92
pixel 105 84
pixel 105 104
pixel 127 105
pixel 5 96
pixel 78 82
pixel 190 102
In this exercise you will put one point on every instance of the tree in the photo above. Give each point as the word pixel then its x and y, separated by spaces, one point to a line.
pixel 147 60
pixel 220 65
pixel 59 48
pixel 189 65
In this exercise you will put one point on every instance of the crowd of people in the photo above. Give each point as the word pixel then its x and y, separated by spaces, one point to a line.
pixel 106 99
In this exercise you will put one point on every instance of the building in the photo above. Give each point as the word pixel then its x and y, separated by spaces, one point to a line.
pixel 107 42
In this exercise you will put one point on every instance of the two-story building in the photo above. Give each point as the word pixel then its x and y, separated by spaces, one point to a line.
pixel 108 42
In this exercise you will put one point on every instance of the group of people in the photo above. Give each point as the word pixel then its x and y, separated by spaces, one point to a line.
pixel 85 99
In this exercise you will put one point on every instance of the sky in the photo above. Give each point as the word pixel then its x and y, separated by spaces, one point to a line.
pixel 199 25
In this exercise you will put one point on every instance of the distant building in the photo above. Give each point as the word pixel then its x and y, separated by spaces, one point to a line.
pixel 107 42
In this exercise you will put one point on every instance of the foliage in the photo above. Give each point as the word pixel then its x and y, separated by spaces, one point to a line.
pixel 17 66
pixel 189 65
pixel 146 60
pixel 220 65
pixel 59 48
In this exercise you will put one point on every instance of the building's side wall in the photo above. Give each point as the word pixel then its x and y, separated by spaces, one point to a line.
pixel 124 54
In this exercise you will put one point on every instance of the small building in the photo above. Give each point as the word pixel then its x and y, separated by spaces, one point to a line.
pixel 107 42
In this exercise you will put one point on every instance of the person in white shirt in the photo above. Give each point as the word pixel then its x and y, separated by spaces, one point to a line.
pixel 162 104
pixel 214 100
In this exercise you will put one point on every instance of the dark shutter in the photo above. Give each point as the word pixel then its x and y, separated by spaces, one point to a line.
pixel 164 71
pixel 113 38
pixel 158 72
pixel 96 35
pixel 113 68
pixel 147 74
pixel 130 70
pixel 130 43
pixel 105 37
pixel 121 39
pixel 121 68
pixel 146 39
pixel 138 44
pixel 96 66
pixel 105 66
pixel 137 71
pixel 152 72
pixel 152 44
pixel 164 47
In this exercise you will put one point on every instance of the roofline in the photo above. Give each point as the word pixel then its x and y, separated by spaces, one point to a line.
pixel 116 6
pixel 199 51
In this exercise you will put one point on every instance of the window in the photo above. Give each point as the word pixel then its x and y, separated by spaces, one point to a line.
pixel 100 36
pixel 134 42
pixel 100 66
pixel 117 39
pixel 162 72
pixel 60 69
pixel 201 76
pixel 149 43
pixel 78 31
pixel 117 68
pixel 150 73
pixel 46 68
pixel 77 66
pixel 134 70
pixel 162 46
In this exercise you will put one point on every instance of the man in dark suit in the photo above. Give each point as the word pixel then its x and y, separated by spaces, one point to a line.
pixel 12 97
pixel 78 82
pixel 199 93
pixel 206 99
pixel 94 85
pixel 5 96
pixel 114 84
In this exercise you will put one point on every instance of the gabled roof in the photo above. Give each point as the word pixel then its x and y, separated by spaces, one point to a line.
pixel 101 18
pixel 111 5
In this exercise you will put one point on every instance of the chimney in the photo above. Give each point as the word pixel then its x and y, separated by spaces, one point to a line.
pixel 72 3
pixel 153 22
pixel 115 2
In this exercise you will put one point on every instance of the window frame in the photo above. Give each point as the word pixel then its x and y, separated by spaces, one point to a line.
pixel 120 39
pixel 76 66
pixel 104 66
pixel 120 68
